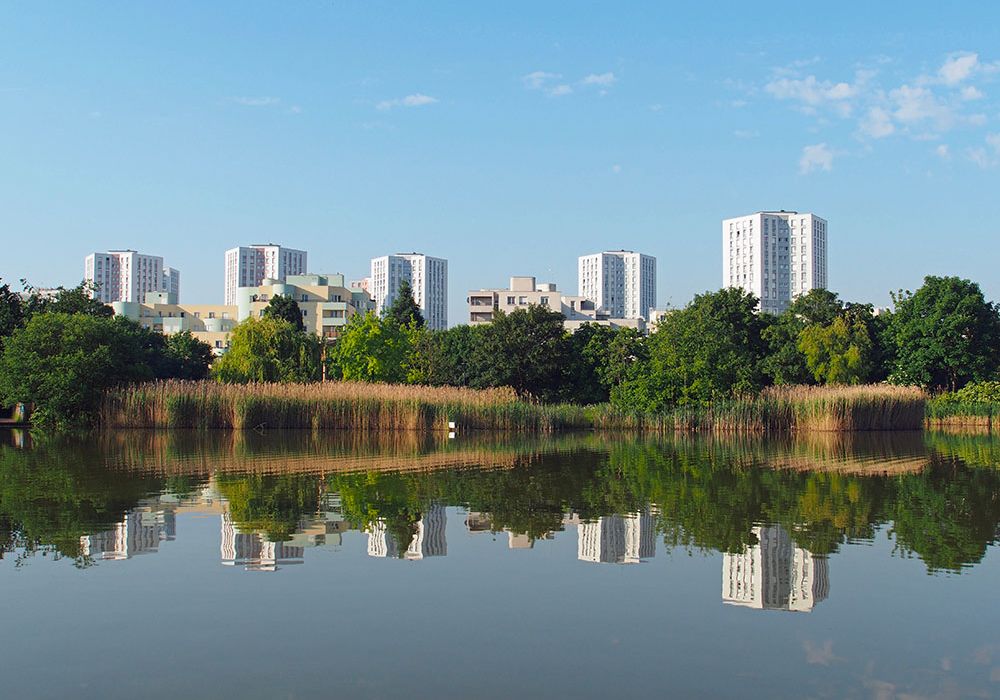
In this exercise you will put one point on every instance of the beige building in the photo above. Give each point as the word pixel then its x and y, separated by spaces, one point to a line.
pixel 209 323
pixel 525 291
pixel 326 303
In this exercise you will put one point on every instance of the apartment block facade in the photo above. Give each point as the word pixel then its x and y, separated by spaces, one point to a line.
pixel 249 266
pixel 525 291
pixel 209 323
pixel 325 302
pixel 428 276
pixel 124 275
pixel 621 282
pixel 776 256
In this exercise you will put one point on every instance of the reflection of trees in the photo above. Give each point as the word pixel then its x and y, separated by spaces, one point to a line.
pixel 272 505
pixel 57 492
pixel 942 499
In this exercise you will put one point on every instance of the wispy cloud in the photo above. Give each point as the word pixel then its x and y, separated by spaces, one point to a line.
pixel 414 100
pixel 257 101
pixel 539 79
pixel 604 79
pixel 958 67
pixel 816 157
pixel 943 152
pixel 811 93
pixel 877 123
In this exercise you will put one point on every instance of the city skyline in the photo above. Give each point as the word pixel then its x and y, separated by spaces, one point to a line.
pixel 562 136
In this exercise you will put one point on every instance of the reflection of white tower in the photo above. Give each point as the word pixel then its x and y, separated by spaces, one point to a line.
pixel 139 532
pixel 617 539
pixel 774 574
pixel 428 541
pixel 252 551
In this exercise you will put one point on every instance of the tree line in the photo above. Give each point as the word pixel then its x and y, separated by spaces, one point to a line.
pixel 60 353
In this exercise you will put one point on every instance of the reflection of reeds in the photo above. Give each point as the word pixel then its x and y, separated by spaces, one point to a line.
pixel 302 452
pixel 391 408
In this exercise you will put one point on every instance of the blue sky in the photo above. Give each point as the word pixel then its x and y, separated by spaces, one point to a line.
pixel 508 137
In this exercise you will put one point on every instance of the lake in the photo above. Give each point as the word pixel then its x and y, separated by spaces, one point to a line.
pixel 293 565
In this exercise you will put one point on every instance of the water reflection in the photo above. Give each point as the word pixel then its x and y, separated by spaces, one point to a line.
pixel 777 509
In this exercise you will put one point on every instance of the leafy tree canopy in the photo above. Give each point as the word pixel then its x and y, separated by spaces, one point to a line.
pixel 269 350
pixel 944 335
pixel 285 308
pixel 404 310
pixel 371 349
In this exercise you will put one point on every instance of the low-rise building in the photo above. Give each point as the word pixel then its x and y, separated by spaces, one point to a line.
pixel 524 292
pixel 326 303
pixel 209 323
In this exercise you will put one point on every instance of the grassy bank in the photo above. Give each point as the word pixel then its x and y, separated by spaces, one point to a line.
pixel 391 408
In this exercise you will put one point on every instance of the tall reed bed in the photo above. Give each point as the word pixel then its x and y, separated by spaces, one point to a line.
pixel 391 408
pixel 945 414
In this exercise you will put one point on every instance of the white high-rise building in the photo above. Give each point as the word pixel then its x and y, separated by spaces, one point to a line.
pixel 124 275
pixel 248 266
pixel 622 283
pixel 774 255
pixel 774 574
pixel 172 284
pixel 427 276
pixel 618 539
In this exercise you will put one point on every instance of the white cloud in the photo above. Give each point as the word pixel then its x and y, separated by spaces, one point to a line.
pixel 877 123
pixel 656 108
pixel 971 92
pixel 256 101
pixel 809 91
pixel 917 104
pixel 993 140
pixel 414 100
pixel 560 90
pixel 943 152
pixel 958 67
pixel 616 168
pixel 980 157
pixel 538 79
pixel 816 157
pixel 604 79
pixel 746 134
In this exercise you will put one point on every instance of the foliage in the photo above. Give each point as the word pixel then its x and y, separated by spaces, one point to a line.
pixel 269 350
pixel 371 349
pixel 944 335
pixel 837 353
pixel 446 357
pixel 284 307
pixel 11 311
pixel 62 363
pixel 186 357
pixel 711 350
pixel 523 350
pixel 785 363
pixel 597 359
pixel 404 310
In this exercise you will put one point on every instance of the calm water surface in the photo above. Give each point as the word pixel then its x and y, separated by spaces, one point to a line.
pixel 289 565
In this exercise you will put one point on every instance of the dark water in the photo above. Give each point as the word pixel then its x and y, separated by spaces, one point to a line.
pixel 287 565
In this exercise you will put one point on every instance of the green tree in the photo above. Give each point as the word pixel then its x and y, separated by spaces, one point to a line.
pixel 404 310
pixel 597 359
pixel 525 350
pixel 371 350
pixel 284 307
pixel 785 363
pixel 269 350
pixel 75 300
pixel 944 335
pixel 445 358
pixel 186 357
pixel 711 350
pixel 62 362
pixel 11 311
pixel 837 353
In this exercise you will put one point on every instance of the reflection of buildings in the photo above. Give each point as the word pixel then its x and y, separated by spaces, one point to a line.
pixel 774 574
pixel 252 551
pixel 139 532
pixel 428 541
pixel 619 539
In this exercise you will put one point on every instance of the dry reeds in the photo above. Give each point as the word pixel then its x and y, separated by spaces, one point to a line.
pixel 391 408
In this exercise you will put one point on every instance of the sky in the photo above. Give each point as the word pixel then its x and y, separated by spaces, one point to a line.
pixel 509 138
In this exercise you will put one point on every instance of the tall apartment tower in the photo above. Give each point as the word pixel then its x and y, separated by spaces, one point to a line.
pixel 124 275
pixel 248 266
pixel 621 283
pixel 172 284
pixel 774 255
pixel 427 276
